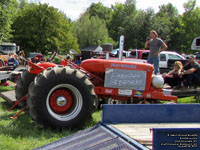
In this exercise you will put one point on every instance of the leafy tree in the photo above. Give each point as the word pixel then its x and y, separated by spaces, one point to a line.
pixel 91 31
pixel 97 9
pixel 163 20
pixel 172 34
pixel 40 27
pixel 8 9
pixel 190 5
pixel 23 4
pixel 122 20
pixel 129 23
pixel 167 24
pixel 140 28
pixel 168 10
pixel 116 27
pixel 190 25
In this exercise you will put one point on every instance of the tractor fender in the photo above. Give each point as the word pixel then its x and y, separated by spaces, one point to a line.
pixel 39 67
pixel 46 65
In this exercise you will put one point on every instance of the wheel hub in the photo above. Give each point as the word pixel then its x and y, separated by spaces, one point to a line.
pixel 61 101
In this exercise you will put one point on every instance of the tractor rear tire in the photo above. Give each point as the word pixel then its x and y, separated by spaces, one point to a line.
pixel 61 97
pixel 21 88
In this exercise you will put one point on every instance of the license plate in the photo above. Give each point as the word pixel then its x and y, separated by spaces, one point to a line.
pixel 125 92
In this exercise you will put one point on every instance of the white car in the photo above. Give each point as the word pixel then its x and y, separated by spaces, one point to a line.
pixel 166 55
pixel 167 58
pixel 115 52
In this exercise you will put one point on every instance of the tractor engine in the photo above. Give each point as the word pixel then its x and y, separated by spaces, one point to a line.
pixel 124 80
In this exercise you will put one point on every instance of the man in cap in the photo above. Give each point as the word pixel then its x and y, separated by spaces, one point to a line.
pixel 191 72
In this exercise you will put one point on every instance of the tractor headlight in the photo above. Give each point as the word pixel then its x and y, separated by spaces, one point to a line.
pixel 157 81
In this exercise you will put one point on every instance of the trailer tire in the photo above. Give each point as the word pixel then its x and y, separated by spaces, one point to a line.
pixel 61 97
pixel 2 63
pixel 21 88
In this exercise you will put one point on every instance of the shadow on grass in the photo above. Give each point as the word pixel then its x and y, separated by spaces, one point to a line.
pixel 4 105
pixel 24 127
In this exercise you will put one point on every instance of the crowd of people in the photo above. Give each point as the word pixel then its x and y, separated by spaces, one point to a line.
pixel 187 76
pixel 181 76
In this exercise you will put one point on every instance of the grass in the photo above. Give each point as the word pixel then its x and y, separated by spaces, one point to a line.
pixel 189 100
pixel 23 134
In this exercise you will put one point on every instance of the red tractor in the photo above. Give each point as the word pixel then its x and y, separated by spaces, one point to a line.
pixel 66 96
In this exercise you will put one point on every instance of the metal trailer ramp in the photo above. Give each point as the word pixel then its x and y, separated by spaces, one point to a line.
pixel 128 126
pixel 9 96
pixel 94 138
pixel 141 121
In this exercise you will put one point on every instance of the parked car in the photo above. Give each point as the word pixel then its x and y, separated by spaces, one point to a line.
pixel 115 53
pixel 196 44
pixel 165 57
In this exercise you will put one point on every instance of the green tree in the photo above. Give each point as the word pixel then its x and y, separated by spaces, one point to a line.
pixel 40 27
pixel 190 25
pixel 8 10
pixel 123 19
pixel 23 4
pixel 167 23
pixel 97 9
pixel 91 31
pixel 116 27
pixel 190 5
pixel 140 28
pixel 163 21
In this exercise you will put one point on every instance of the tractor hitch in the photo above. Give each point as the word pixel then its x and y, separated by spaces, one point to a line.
pixel 15 116
pixel 16 104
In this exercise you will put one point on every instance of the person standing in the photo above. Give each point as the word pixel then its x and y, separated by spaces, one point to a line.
pixel 155 45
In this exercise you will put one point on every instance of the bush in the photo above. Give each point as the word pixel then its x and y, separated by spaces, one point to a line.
pixel 57 60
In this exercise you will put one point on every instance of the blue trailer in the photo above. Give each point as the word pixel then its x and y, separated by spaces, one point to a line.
pixel 139 127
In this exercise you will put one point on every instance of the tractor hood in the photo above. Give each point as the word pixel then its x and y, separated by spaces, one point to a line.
pixel 100 65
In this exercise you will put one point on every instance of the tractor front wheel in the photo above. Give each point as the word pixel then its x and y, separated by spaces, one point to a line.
pixel 61 97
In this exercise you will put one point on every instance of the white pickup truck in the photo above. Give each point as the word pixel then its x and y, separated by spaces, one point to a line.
pixel 165 57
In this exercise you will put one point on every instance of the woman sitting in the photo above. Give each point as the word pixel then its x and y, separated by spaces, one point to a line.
pixel 174 77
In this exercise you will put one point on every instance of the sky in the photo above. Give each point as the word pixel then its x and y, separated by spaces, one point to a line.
pixel 73 8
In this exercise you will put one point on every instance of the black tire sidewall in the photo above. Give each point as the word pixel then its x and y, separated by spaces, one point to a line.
pixel 22 85
pixel 48 81
pixel 2 63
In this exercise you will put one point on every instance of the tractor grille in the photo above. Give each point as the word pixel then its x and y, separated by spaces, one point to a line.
pixel 94 138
